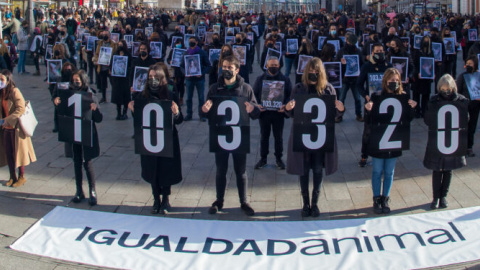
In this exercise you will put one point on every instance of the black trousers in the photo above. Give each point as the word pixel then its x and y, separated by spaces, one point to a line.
pixel 473 111
pixel 311 163
pixel 78 161
pixel 158 190
pixel 271 121
pixel 239 165
pixel 441 183
pixel 103 82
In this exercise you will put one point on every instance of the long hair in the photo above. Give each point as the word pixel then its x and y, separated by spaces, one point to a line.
pixel 61 49
pixel 160 74
pixel 328 52
pixel 389 73
pixel 10 83
pixel 317 65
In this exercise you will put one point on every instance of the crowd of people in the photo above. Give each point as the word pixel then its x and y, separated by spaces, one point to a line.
pixel 292 50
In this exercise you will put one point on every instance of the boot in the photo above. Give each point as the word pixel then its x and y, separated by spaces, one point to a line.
pixel 306 204
pixel 119 114
pixel 79 195
pixel 9 183
pixel 165 205
pixel 216 206
pixel 20 182
pixel 156 204
pixel 314 210
pixel 124 114
pixel 443 202
pixel 377 204
pixel 37 73
pixel 434 204
pixel 385 206
pixel 91 183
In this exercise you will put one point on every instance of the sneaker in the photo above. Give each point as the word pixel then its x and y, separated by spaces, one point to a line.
pixel 260 164
pixel 470 152
pixel 247 209
pixel 216 206
pixel 385 206
pixel 359 118
pixel 165 207
pixel 363 162
pixel 377 205
pixel 187 118
pixel 280 164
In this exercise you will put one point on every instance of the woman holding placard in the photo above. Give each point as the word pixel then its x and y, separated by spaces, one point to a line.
pixel 422 86
pixel 314 81
pixel 383 162
pixel 120 80
pixel 161 172
pixel 443 162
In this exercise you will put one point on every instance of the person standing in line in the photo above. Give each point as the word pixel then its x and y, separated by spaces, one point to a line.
pixel 120 86
pixel 314 81
pixel 103 70
pixel 22 47
pixel 442 166
pixel 231 84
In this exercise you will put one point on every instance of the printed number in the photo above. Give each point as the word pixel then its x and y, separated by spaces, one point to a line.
pixel 147 139
pixel 268 104
pixel 385 142
pixel 322 129
pixel 442 147
pixel 237 137
pixel 76 101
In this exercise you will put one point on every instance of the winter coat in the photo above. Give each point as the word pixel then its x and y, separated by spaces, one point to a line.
pixel 22 36
pixel 97 52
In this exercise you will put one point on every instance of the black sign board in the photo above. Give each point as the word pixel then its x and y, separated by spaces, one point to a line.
pixel 75 117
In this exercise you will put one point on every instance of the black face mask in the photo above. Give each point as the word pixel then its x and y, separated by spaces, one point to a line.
pixel 105 38
pixel 120 48
pixel 392 86
pixel 216 41
pixel 62 33
pixel 67 74
pixel 379 57
pixel 227 74
pixel 143 54
pixel 469 69
pixel 192 44
pixel 313 77
pixel 56 53
pixel 154 85
pixel 273 71
pixel 448 95
pixel 290 33
pixel 270 45
pixel 77 85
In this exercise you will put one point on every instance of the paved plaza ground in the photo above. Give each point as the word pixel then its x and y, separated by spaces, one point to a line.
pixel 273 194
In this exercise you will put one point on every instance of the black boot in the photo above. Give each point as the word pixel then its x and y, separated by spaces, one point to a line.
pixel 377 204
pixel 314 210
pixel 434 204
pixel 79 195
pixel 443 202
pixel 119 113
pixel 165 205
pixel 385 206
pixel 91 183
pixel 124 114
pixel 156 204
pixel 306 204
pixel 216 206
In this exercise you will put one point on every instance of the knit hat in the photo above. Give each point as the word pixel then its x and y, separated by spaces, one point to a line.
pixel 36 31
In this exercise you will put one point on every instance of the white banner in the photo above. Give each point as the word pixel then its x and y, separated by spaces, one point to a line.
pixel 143 242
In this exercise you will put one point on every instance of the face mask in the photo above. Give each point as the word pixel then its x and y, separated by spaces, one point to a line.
pixel 392 86
pixel 379 57
pixel 469 69
pixel 105 38
pixel 270 45
pixel 2 84
pixel 227 74
pixel 67 74
pixel 447 95
pixel 62 33
pixel 333 32
pixel 178 46
pixel 216 40
pixel 57 53
pixel 154 84
pixel 192 44
pixel 6 41
pixel 77 84
pixel 290 33
pixel 273 70
pixel 313 77
pixel 143 53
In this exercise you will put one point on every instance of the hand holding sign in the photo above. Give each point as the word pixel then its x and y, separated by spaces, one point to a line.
pixel 339 105
pixel 207 106
pixel 249 107
pixel 174 108
pixel 290 105
pixel 412 103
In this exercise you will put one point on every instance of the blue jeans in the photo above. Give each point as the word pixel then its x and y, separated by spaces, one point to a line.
pixel 288 66
pixel 356 95
pixel 385 166
pixel 191 84
pixel 21 61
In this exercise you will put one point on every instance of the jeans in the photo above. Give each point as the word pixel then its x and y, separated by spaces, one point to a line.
pixel 356 95
pixel 21 61
pixel 288 65
pixel 191 84
pixel 385 166
pixel 239 165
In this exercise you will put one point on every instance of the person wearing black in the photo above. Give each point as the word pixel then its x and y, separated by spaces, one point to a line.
pixel 231 84
pixel 120 85
pixel 179 77
pixel 314 81
pixel 161 172
pixel 304 48
pixel 349 83
pixel 439 65
pixel 103 70
pixel 397 49
pixel 216 44
pixel 83 155
pixel 290 57
pixel 471 66
pixel 422 87
pixel 442 166
pixel 244 71
pixel 272 120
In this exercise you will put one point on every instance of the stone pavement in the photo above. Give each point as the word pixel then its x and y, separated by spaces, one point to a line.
pixel 274 195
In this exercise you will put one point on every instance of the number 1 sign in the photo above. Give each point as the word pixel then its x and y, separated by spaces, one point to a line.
pixel 75 117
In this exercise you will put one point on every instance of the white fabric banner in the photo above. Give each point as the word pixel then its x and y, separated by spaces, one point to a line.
pixel 144 242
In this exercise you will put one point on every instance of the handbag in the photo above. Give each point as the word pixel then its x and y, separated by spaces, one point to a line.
pixel 28 121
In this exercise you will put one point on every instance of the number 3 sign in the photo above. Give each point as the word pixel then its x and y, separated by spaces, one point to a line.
pixel 75 117
pixel 153 125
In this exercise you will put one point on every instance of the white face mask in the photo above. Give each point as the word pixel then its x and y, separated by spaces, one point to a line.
pixel 2 84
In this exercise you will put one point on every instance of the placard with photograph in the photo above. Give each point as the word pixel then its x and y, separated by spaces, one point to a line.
pixel 209 37
pixel 278 46
pixel 138 30
pixel 91 43
pixel 426 33
pixel 334 73
pixel 177 57
pixel 201 30
pixel 472 35
pixel 192 65
pixel 321 42
pixel 351 30
pixel 302 62
pixel 250 36
pixel 140 77
pixel 182 29
pixel 230 40
pixel 241 53
pixel 292 46
pixel 437 24
pixel 352 68
pixel 437 51
pixel 374 81
pixel 417 42
pixel 371 26
pixel 401 64
pixel 366 37
pixel 214 55
pixel 174 40
pixel 129 40
pixel 148 31
pixel 115 37
pixel 255 29
pixel 449 43
pixel 156 49
pixel 271 53
pixel 216 29
pixel 84 38
pixel 119 66
pixel 105 56
pixel 335 43
pixel 427 68
pixel 48 52
pixel 80 32
pixel 272 94
pixel 135 49
pixel 54 70
pixel 229 31
pixel 472 80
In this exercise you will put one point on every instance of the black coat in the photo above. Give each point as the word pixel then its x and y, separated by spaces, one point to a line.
pixel 166 171
pixel 436 162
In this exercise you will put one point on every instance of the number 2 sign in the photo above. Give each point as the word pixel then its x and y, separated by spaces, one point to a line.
pixel 75 117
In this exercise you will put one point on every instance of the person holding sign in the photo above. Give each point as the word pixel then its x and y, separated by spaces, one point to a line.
pixel 83 154
pixel 272 89
pixel 387 151
pixel 444 157
pixel 421 88
pixel 120 85
pixel 103 70
pixel 314 82
pixel 160 171
pixel 230 84
pixel 16 149
pixel 471 72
